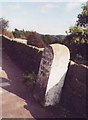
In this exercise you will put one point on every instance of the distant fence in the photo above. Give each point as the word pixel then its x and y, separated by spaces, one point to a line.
pixel 25 56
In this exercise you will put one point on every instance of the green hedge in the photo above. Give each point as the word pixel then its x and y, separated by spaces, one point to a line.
pixel 25 56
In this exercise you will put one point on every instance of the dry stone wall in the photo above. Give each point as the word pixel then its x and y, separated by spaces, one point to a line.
pixel 25 56
pixel 74 95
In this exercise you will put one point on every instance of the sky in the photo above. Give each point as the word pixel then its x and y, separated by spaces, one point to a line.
pixel 47 17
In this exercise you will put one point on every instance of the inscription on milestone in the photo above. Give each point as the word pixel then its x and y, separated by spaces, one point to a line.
pixel 44 71
pixel 45 66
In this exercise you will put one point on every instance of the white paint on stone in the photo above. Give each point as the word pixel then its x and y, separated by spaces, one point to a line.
pixel 57 74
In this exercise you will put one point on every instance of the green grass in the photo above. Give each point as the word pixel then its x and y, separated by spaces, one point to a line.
pixel 30 78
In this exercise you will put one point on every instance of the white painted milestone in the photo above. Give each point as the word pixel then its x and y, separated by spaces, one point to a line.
pixel 57 74
pixel 51 76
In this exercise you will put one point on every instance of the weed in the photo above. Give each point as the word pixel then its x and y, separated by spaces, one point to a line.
pixel 30 78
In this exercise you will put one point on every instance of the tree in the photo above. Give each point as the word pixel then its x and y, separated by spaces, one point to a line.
pixel 77 40
pixel 83 17
pixel 3 25
pixel 19 33
pixel 79 33
pixel 35 39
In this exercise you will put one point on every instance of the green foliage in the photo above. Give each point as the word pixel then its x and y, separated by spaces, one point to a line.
pixel 77 40
pixel 78 35
pixel 30 78
pixel 83 17
pixel 33 38
pixel 48 39
pixel 76 30
pixel 36 39
pixel 19 34
pixel 51 39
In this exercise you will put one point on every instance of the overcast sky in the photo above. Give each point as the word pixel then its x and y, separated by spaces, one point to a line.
pixel 43 17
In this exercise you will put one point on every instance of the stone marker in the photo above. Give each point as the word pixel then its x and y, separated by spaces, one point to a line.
pixel 51 75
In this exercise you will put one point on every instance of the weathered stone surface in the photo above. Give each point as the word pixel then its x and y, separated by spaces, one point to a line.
pixel 52 71
pixel 43 74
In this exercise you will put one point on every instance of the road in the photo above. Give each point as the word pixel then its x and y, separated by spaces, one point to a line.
pixel 16 99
